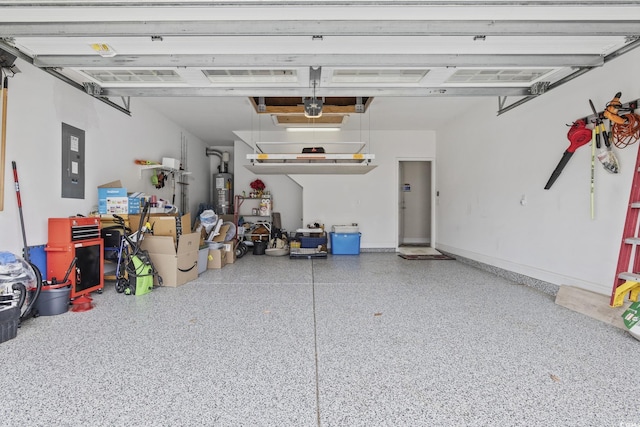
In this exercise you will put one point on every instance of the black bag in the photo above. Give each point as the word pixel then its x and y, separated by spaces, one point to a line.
pixel 312 150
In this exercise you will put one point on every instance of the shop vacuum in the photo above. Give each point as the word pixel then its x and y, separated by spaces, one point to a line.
pixel 20 286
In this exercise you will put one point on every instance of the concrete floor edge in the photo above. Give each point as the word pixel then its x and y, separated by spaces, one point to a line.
pixel 546 287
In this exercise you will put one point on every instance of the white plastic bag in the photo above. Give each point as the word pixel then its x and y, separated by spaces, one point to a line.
pixel 208 219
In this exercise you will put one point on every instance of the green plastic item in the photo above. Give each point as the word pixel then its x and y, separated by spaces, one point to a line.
pixel 631 318
pixel 141 282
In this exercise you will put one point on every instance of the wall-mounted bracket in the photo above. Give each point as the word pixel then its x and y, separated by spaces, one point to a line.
pixel 92 89
pixel 538 88
pixel 501 102
pixel 628 106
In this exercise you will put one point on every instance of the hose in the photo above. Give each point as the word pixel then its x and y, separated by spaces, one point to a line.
pixel 30 312
pixel 627 133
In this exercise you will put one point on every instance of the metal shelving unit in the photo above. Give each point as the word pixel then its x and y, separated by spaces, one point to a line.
pixel 258 220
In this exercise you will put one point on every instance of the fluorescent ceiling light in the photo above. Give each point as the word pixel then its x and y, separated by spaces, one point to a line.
pixel 124 76
pixel 324 129
pixel 251 76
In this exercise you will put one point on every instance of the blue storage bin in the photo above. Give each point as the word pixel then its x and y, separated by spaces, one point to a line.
pixel 345 243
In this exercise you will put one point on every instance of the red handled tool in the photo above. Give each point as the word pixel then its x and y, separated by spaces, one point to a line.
pixel 24 235
pixel 578 136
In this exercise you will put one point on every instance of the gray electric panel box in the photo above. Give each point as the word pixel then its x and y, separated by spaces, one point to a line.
pixel 72 162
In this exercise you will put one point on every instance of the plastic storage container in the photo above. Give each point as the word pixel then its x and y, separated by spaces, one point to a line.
pixel 53 300
pixel 203 255
pixel 312 242
pixel 9 319
pixel 345 243
pixel 259 246
pixel 344 228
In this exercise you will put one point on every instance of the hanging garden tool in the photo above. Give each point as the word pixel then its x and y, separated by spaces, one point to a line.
pixel 594 141
pixel 625 124
pixel 578 136
pixel 607 158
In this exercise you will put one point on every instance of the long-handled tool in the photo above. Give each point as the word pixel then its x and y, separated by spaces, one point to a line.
pixel 594 138
pixel 578 136
pixel 35 292
pixel 3 137
pixel 24 235
pixel 605 155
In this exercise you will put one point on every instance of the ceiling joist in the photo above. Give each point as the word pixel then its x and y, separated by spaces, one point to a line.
pixel 300 92
pixel 326 28
pixel 336 60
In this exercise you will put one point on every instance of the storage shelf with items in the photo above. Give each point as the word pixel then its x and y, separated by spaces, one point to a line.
pixel 253 218
pixel 274 158
pixel 168 164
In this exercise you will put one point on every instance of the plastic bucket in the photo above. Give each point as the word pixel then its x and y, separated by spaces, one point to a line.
pixel 53 300
pixel 259 246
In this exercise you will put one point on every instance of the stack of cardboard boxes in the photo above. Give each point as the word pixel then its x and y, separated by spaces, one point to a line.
pixel 177 252
pixel 217 251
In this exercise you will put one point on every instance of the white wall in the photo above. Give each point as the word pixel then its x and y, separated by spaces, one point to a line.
pixel 371 200
pixel 38 104
pixel 487 164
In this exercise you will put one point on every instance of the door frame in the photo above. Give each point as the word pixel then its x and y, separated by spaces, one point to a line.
pixel 433 196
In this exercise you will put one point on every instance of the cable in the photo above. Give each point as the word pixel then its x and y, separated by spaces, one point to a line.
pixel 627 133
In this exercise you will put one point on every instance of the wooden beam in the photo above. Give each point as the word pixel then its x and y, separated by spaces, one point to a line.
pixel 591 304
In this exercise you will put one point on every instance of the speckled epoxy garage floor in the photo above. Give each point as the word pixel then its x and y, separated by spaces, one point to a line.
pixel 368 340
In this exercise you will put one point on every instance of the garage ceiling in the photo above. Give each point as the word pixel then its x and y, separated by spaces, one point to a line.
pixel 172 51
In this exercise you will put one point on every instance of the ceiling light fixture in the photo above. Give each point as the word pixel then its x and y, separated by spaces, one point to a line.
pixel 313 105
pixel 316 129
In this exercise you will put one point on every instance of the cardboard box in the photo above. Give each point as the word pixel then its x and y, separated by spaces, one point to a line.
pixel 164 224
pixel 175 266
pixel 173 226
pixel 222 234
pixel 170 163
pixel 230 251
pixel 216 259
pixel 109 221
pixel 112 198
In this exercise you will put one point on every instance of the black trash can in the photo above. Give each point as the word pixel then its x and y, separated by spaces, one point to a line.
pixel 259 246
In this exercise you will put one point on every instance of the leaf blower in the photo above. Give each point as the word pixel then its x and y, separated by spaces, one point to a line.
pixel 578 136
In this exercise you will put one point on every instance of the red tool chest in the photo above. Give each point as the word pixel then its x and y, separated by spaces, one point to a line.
pixel 76 237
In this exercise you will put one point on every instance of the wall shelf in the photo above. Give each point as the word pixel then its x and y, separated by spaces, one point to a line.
pixel 147 167
pixel 288 158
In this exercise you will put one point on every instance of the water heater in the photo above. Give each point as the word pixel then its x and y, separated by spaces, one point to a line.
pixel 223 193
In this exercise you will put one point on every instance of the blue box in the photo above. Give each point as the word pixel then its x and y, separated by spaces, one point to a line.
pixel 112 199
pixel 312 242
pixel 135 202
pixel 345 243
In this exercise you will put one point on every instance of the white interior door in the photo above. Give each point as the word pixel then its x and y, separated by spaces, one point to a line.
pixel 415 203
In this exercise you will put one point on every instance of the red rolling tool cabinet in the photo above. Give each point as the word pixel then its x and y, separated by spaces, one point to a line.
pixel 76 237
